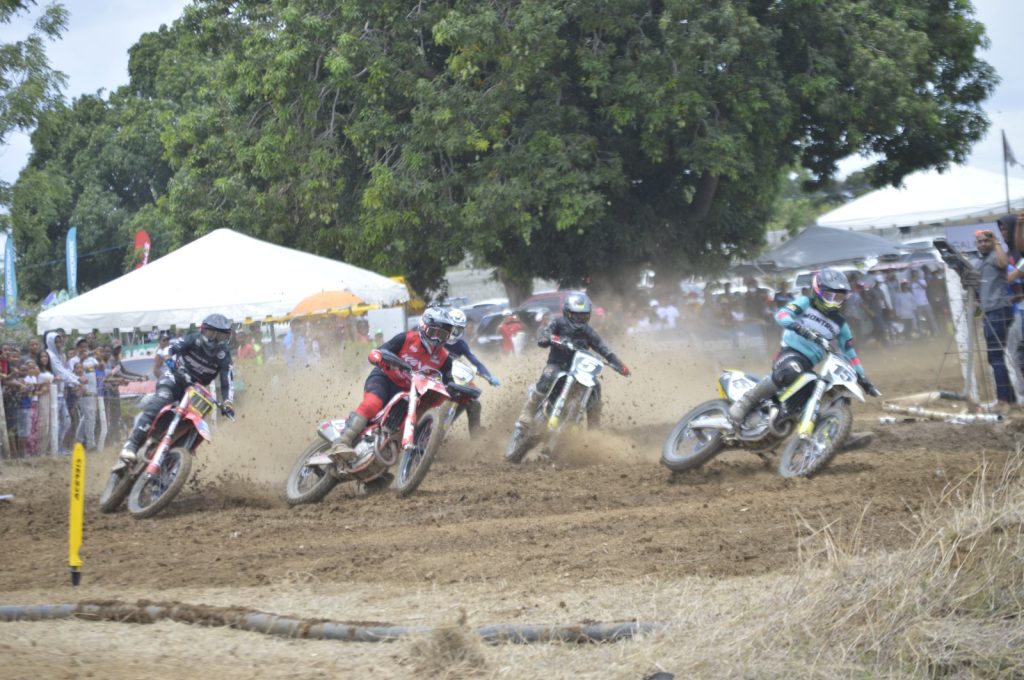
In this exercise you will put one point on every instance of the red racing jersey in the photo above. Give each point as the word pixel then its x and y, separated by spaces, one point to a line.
pixel 409 347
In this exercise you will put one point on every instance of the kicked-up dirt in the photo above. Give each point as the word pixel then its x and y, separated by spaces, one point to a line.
pixel 590 537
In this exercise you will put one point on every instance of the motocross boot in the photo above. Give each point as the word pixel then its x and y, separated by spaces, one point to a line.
pixel 342 451
pixel 761 391
pixel 473 409
pixel 129 454
pixel 525 420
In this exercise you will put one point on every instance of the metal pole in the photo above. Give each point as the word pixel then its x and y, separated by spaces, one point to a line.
pixel 5 445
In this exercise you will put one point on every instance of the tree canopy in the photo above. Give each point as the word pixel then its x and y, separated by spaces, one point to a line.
pixel 575 140
pixel 28 85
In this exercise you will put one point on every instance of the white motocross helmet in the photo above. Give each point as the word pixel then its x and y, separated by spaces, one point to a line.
pixel 457 317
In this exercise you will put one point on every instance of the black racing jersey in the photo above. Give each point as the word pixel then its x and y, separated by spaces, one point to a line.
pixel 202 364
pixel 584 337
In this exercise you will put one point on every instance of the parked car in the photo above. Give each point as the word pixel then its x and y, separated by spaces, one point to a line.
pixel 476 311
pixel 530 312
pixel 550 301
pixel 487 339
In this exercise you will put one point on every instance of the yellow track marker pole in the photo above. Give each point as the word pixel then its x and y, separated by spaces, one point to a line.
pixel 76 512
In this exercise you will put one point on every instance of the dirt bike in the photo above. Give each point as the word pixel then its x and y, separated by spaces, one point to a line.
pixel 165 459
pixel 563 407
pixel 406 433
pixel 814 413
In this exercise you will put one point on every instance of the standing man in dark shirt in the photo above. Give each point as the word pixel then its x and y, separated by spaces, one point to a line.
pixel 991 265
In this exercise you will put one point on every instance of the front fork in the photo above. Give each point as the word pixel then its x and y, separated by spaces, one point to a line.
pixel 556 411
pixel 811 409
pixel 153 467
pixel 409 432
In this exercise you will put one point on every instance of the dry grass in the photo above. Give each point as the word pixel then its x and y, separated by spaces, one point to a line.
pixel 451 651
pixel 947 606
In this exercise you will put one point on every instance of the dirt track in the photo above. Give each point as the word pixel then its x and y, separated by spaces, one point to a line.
pixel 518 543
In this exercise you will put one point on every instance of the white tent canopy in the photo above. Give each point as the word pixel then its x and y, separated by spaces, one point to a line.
pixel 961 193
pixel 224 272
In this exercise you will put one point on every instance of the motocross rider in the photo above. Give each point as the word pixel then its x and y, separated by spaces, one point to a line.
pixel 197 358
pixel 420 347
pixel 572 326
pixel 458 347
pixel 802 320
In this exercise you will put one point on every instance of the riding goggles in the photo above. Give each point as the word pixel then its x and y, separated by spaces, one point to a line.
pixel 216 335
pixel 833 296
pixel 439 333
pixel 578 317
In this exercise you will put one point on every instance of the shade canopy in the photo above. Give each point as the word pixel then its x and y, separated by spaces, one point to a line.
pixel 223 272
pixel 819 246
pixel 326 301
pixel 930 197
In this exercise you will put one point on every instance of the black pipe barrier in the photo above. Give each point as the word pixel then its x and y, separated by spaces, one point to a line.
pixel 316 629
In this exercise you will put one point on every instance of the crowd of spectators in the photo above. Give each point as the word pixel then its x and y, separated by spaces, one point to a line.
pixel 884 307
pixel 54 395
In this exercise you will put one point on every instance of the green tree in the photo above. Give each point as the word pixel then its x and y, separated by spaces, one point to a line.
pixel 567 139
pixel 28 85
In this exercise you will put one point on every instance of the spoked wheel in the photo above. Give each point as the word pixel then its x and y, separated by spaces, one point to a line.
pixel 804 457
pixel 687 448
pixel 309 483
pixel 152 493
pixel 518 444
pixel 119 484
pixel 414 462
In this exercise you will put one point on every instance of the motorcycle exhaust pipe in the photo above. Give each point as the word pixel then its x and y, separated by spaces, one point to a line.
pixel 773 425
pixel 711 423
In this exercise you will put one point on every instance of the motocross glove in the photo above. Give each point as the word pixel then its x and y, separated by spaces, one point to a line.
pixel 494 381
pixel 624 370
pixel 228 410
pixel 803 331
pixel 374 357
pixel 869 387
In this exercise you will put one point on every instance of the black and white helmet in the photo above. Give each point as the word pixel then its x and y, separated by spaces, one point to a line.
pixel 458 321
pixel 576 309
pixel 435 328
pixel 215 332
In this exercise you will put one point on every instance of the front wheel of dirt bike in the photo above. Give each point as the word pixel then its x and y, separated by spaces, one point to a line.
pixel 686 448
pixel 152 493
pixel 414 462
pixel 805 457
pixel 119 484
pixel 845 405
pixel 572 417
pixel 309 483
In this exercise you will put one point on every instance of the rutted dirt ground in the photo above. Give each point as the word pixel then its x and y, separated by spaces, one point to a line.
pixel 577 541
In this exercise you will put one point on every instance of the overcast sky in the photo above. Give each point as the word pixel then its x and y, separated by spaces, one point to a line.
pixel 94 55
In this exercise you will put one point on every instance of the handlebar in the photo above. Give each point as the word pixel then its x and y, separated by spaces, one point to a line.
pixel 396 361
pixel 568 344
